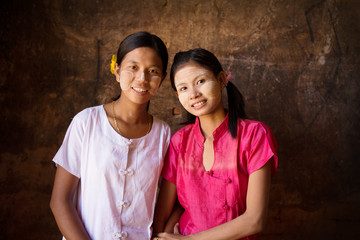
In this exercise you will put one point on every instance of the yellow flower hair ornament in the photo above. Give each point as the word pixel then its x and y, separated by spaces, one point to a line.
pixel 112 65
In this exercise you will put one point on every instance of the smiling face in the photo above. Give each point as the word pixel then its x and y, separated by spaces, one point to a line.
pixel 139 74
pixel 198 90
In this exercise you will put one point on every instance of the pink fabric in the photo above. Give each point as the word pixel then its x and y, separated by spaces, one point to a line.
pixel 211 198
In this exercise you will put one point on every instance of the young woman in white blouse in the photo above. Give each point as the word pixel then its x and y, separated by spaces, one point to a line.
pixel 110 160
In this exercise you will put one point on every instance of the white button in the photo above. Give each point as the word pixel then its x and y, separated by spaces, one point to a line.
pixel 120 235
pixel 123 203
pixel 130 172
pixel 116 236
pixel 124 172
pixel 123 235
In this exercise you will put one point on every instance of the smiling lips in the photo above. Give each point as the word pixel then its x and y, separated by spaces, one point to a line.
pixel 139 90
pixel 198 104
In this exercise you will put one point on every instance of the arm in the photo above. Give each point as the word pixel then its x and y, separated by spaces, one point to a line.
pixel 63 208
pixel 252 221
pixel 174 218
pixel 164 206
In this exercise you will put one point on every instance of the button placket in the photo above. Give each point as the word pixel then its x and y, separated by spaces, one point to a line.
pixel 122 172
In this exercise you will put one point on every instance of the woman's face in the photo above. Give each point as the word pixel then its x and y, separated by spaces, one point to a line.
pixel 198 90
pixel 140 74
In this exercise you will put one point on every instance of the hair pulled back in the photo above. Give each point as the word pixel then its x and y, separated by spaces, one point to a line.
pixel 209 61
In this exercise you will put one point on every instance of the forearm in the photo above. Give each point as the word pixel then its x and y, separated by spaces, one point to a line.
pixel 164 206
pixel 159 222
pixel 240 227
pixel 174 218
pixel 161 217
pixel 68 221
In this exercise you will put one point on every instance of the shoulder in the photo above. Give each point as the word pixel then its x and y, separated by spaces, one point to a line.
pixel 256 132
pixel 160 123
pixel 182 133
pixel 249 125
pixel 161 126
pixel 89 112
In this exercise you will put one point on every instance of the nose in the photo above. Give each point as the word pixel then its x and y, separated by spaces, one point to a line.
pixel 141 76
pixel 194 93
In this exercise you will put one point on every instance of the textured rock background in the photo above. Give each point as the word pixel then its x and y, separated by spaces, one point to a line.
pixel 296 62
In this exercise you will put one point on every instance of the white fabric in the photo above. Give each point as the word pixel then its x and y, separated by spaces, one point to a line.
pixel 118 177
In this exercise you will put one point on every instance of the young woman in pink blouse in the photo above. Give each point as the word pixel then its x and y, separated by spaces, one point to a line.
pixel 219 168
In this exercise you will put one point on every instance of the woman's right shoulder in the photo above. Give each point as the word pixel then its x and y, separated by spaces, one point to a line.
pixel 89 112
pixel 183 132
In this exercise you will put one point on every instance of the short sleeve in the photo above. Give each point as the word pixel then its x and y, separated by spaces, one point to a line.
pixel 170 165
pixel 263 147
pixel 168 138
pixel 69 154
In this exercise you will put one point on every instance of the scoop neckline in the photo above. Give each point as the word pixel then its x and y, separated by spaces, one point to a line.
pixel 113 131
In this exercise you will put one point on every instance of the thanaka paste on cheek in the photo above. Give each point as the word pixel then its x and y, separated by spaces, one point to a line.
pixel 186 75
pixel 183 100
pixel 210 90
pixel 126 78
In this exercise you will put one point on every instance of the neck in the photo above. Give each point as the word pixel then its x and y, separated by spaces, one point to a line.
pixel 131 112
pixel 208 123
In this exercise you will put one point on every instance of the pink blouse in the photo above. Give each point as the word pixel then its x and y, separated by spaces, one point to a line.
pixel 211 198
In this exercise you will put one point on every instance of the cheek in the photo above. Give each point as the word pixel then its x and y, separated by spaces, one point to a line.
pixel 126 77
pixel 154 84
pixel 211 90
pixel 183 100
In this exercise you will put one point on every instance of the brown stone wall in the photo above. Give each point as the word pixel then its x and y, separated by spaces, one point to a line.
pixel 296 63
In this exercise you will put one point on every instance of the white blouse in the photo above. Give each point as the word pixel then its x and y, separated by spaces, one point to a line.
pixel 118 176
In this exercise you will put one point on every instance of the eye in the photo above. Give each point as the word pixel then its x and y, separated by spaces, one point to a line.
pixel 181 89
pixel 132 67
pixel 200 81
pixel 154 71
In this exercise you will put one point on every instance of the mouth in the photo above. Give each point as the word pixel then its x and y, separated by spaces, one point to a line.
pixel 140 90
pixel 199 104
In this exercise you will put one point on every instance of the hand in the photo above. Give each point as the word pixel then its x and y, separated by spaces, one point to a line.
pixel 176 228
pixel 170 236
pixel 163 236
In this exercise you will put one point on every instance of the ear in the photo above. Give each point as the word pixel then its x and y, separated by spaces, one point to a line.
pixel 222 79
pixel 117 72
pixel 176 93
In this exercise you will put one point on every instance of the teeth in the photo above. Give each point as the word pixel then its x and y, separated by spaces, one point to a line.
pixel 199 103
pixel 140 89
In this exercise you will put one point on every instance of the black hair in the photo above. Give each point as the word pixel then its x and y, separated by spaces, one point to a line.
pixel 208 60
pixel 143 39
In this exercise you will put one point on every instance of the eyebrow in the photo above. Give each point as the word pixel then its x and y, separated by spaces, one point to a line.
pixel 154 65
pixel 194 79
